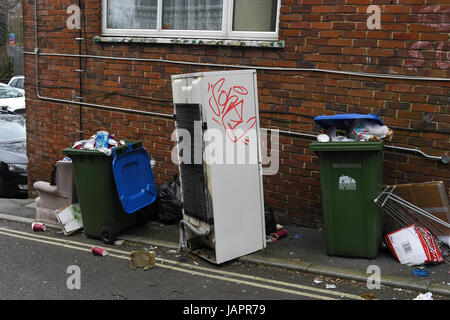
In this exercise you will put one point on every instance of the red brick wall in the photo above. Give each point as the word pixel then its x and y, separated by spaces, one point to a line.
pixel 324 34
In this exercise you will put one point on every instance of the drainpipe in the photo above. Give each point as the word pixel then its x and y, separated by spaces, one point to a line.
pixel 80 70
pixel 80 103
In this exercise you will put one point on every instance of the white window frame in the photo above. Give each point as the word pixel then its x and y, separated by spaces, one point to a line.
pixel 225 33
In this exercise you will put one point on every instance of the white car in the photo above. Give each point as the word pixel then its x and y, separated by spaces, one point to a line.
pixel 11 100
pixel 17 82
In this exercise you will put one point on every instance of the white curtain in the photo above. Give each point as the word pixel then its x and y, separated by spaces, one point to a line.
pixel 132 14
pixel 192 14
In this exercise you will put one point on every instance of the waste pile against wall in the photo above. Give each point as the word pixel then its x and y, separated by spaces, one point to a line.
pixel 332 36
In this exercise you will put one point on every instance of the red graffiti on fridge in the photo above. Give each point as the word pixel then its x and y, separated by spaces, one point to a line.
pixel 228 106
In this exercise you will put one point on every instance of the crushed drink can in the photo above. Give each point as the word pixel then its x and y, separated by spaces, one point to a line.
pixel 37 226
pixel 99 251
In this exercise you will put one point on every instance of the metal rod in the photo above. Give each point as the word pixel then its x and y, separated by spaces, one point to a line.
pixel 443 159
pixel 352 73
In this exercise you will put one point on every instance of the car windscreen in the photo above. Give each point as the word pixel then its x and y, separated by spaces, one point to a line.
pixel 6 92
pixel 12 129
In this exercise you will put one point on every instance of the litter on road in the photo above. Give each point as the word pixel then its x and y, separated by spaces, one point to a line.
pixel 142 259
pixel 99 251
pixel 37 226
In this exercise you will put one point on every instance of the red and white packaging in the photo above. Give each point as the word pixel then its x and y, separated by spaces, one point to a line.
pixel 37 226
pixel 99 251
pixel 414 245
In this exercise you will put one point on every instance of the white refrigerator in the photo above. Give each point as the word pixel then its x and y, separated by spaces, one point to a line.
pixel 219 158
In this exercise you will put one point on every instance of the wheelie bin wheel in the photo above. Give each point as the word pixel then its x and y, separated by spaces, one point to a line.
pixel 107 235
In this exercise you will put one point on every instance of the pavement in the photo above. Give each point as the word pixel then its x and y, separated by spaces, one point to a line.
pixel 302 249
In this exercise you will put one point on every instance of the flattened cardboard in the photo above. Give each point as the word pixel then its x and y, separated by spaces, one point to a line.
pixel 70 218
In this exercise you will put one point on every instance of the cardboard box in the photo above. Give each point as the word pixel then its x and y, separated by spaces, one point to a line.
pixel 414 245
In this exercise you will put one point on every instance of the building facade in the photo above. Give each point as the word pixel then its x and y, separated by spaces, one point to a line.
pixel 92 59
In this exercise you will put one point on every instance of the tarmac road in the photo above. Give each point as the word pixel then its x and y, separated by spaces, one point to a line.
pixel 50 266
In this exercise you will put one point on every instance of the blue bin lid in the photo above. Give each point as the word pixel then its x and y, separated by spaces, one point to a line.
pixel 339 119
pixel 134 179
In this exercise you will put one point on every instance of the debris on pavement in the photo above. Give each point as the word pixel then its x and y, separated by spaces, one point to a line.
pixel 421 272
pixel 143 259
pixel 119 242
pixel 414 246
pixel 424 296
pixel 70 218
pixel 368 296
pixel 37 226
pixel 402 290
pixel 317 281
pixel 278 234
pixel 99 251
pixel 330 286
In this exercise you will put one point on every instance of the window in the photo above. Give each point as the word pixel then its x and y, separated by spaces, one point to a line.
pixel 219 19
pixel 8 93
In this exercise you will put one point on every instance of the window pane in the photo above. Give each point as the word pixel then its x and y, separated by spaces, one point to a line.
pixel 134 14
pixel 192 14
pixel 254 15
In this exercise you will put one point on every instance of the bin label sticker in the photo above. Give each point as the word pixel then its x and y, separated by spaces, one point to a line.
pixel 347 183
pixel 347 166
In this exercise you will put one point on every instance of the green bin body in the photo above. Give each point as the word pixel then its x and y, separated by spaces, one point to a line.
pixel 101 210
pixel 351 178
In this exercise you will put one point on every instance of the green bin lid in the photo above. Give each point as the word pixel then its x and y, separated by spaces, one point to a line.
pixel 347 146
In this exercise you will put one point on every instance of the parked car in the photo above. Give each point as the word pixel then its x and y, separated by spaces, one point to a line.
pixel 11 100
pixel 13 157
pixel 17 82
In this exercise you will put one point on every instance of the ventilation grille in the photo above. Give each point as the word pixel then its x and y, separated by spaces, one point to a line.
pixel 195 200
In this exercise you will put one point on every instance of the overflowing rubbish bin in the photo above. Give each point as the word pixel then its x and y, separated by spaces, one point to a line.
pixel 351 178
pixel 112 189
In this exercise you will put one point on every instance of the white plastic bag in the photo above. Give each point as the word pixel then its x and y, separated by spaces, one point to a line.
pixel 424 296
pixel 363 130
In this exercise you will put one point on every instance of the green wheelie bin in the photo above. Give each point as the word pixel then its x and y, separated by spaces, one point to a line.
pixel 101 209
pixel 351 178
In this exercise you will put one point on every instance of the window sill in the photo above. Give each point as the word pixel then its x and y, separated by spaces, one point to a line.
pixel 182 41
